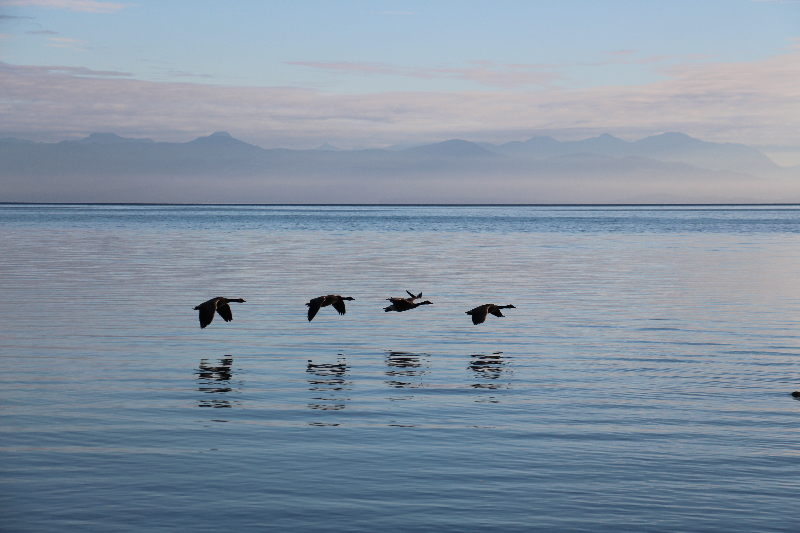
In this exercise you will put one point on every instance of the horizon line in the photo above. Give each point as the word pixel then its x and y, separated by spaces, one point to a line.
pixel 703 204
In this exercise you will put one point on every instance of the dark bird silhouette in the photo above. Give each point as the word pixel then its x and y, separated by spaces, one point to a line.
pixel 219 305
pixel 480 312
pixel 324 301
pixel 404 304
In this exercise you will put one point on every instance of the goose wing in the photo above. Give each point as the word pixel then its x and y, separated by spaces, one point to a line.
pixel 338 304
pixel 206 312
pixel 224 310
pixel 313 307
pixel 495 310
pixel 479 314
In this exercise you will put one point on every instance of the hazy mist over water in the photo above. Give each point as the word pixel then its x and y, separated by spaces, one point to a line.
pixel 641 384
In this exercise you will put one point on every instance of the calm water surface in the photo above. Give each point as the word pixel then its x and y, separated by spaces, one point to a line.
pixel 642 383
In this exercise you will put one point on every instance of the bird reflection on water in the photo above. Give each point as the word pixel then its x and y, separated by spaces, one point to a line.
pixel 330 380
pixel 405 367
pixel 489 369
pixel 217 379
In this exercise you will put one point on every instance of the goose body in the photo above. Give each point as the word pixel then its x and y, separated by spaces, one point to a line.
pixel 404 304
pixel 480 313
pixel 324 301
pixel 216 305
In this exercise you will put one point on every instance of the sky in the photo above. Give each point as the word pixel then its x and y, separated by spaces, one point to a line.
pixel 358 74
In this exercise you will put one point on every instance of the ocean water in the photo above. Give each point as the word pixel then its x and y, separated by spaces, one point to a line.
pixel 642 383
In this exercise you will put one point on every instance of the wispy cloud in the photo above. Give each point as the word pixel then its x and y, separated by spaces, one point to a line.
pixel 624 58
pixel 88 6
pixel 628 57
pixel 67 41
pixel 171 73
pixel 42 32
pixel 490 73
pixel 62 42
pixel 23 71
pixel 749 102
pixel 487 73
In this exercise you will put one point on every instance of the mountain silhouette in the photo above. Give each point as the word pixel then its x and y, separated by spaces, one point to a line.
pixel 218 168
pixel 110 138
pixel 221 140
pixel 667 147
pixel 330 147
pixel 451 148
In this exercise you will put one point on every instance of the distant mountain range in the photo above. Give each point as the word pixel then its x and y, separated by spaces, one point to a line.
pixel 218 168
pixel 667 147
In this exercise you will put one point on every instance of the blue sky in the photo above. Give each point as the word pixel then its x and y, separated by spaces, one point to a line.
pixel 484 70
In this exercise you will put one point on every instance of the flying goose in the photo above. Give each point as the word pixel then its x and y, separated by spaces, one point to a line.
pixel 218 304
pixel 324 301
pixel 404 304
pixel 480 312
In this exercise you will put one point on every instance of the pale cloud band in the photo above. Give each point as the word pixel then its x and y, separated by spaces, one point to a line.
pixel 86 6
pixel 61 42
pixel 485 73
pixel 748 102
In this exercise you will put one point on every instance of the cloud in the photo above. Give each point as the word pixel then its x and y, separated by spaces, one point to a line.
pixel 171 73
pixel 42 32
pixel 621 57
pixel 62 42
pixel 25 71
pixel 87 6
pixel 487 73
pixel 749 102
